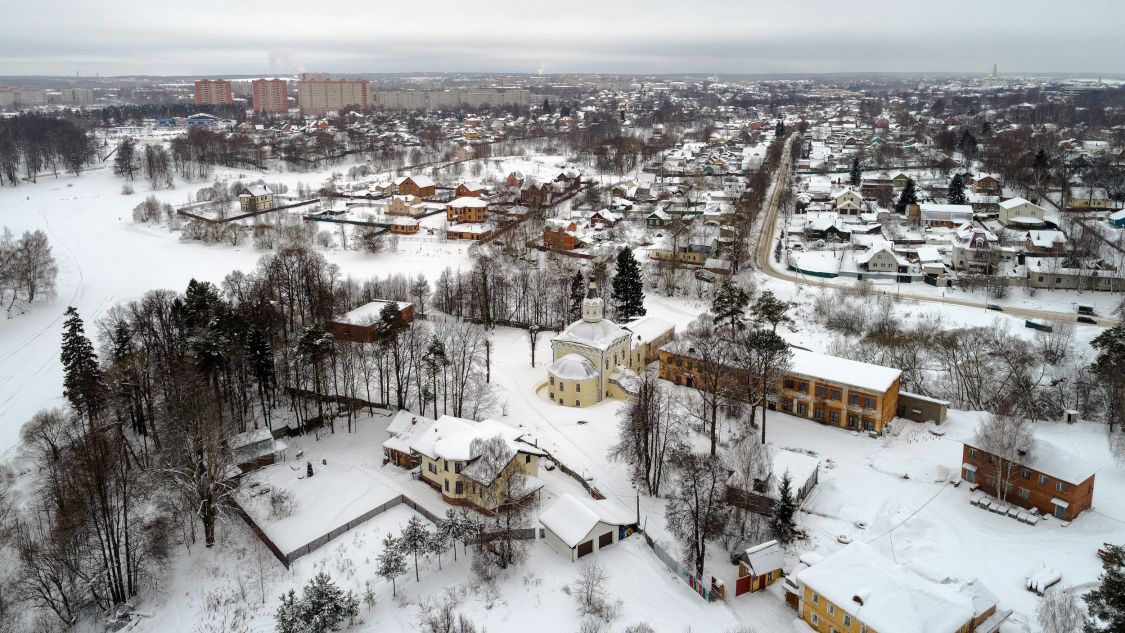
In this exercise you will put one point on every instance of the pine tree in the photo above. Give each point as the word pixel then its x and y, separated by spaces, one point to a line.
pixel 547 109
pixel 414 540
pixel 458 528
pixel 784 511
pixel 956 192
pixel 391 563
pixel 770 309
pixel 908 196
pixel 628 289
pixel 856 175
pixel 322 607
pixel 83 385
pixel 729 305
pixel 577 294
pixel 1107 603
pixel 779 131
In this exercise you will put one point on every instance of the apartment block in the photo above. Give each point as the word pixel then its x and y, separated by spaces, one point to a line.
pixel 213 92
pixel 270 95
pixel 319 96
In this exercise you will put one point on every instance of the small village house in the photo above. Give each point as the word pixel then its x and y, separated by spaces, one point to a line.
pixel 361 324
pixel 420 186
pixel 466 210
pixel 255 198
pixel 759 567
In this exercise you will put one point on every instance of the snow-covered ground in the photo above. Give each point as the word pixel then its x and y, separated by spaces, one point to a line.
pixel 899 486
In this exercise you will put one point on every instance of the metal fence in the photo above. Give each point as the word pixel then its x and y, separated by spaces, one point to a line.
pixel 697 585
pixel 287 558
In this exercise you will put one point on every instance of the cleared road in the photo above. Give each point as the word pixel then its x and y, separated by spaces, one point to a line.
pixel 765 241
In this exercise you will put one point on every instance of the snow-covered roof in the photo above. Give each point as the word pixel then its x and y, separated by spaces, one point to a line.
pixel 368 313
pixel 1046 239
pixel 403 420
pixel 421 181
pixel 1015 202
pixel 1117 215
pixel 452 438
pixel 648 328
pixel 572 367
pixel 1051 459
pixel 764 558
pixel 928 254
pixel 843 370
pixel 886 596
pixel 255 190
pixel 801 469
pixel 572 519
pixel 468 202
pixel 866 256
pixel 599 335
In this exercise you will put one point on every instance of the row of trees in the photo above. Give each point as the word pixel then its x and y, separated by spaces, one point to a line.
pixel 34 144
pixel 27 268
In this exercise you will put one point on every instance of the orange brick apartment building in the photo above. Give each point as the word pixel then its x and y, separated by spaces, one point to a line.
pixel 826 389
pixel 213 92
pixel 1048 479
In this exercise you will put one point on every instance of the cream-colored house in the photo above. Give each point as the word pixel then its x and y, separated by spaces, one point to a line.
pixel 848 202
pixel 255 198
pixel 592 358
pixel 577 527
pixel 406 205
pixel 1020 213
pixel 476 464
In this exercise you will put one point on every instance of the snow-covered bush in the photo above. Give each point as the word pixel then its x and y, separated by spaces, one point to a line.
pixel 282 503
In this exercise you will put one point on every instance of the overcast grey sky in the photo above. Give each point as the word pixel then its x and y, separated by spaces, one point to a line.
pixel 201 37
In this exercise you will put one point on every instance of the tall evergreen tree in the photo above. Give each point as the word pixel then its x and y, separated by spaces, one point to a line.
pixel 729 305
pixel 856 175
pixel 577 294
pixel 414 540
pixel 391 563
pixel 1107 602
pixel 628 289
pixel 779 131
pixel 784 523
pixel 908 196
pixel 956 191
pixel 83 385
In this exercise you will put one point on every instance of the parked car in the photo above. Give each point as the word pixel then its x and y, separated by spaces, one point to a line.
pixel 993 306
pixel 1086 319
pixel 703 275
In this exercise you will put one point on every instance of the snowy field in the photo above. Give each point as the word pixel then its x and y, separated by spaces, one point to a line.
pixel 898 487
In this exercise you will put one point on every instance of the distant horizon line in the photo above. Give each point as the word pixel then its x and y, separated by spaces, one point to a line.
pixel 698 74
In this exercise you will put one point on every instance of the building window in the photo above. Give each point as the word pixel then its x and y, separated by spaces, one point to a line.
pixel 578 387
pixel 834 394
pixel 818 414
pixel 1025 494
pixel 831 609
pixel 869 403
pixel 459 488
pixel 819 391
pixel 527 458
pixel 834 417
pixel 802 409
pixel 577 403
pixel 432 467
pixel 552 380
pixel 972 452
pixel 853 422
pixel 815 619
pixel 447 485
pixel 847 620
pixel 853 399
pixel 445 464
pixel 1060 486
pixel 1042 480
pixel 815 598
pixel 457 467
pixel 552 394
pixel 789 383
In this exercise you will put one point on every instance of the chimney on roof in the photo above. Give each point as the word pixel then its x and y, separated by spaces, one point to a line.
pixel 858 599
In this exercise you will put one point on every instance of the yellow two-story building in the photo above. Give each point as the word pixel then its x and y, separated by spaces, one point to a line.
pixel 857 590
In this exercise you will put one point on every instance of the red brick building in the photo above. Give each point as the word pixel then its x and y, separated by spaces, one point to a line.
pixel 1048 479
pixel 270 95
pixel 560 235
pixel 470 190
